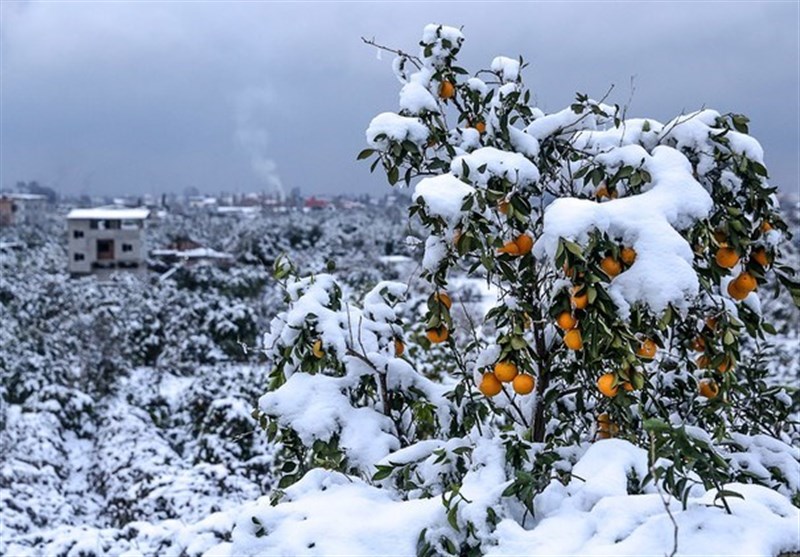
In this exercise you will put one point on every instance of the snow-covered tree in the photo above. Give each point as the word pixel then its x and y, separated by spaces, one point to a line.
pixel 628 257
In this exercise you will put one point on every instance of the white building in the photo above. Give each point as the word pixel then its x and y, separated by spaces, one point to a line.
pixel 22 208
pixel 105 239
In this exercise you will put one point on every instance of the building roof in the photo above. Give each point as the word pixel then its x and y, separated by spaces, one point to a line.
pixel 24 196
pixel 108 213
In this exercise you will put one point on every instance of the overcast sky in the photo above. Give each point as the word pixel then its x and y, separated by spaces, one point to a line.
pixel 135 97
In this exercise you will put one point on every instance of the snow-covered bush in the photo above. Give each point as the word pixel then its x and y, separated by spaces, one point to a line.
pixel 627 255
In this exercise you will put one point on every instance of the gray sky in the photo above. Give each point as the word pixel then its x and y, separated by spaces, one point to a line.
pixel 130 97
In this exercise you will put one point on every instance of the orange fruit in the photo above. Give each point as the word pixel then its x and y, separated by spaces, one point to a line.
pixel 444 299
pixel 573 339
pixel 726 364
pixel 566 321
pixel 523 384
pixel 735 292
pixel 703 362
pixel 569 271
pixel 579 301
pixel 524 243
pixel 503 207
pixel 606 385
pixel 605 427
pixel 628 255
pixel 726 257
pixel 708 388
pixel 490 385
pixel 647 349
pixel 437 334
pixel 611 266
pixel 603 191
pixel 628 386
pixel 745 282
pixel 511 248
pixel 399 347
pixel 759 255
pixel 505 371
pixel 720 236
pixel 481 127
pixel 711 323
pixel 317 350
pixel 447 90
pixel 698 344
pixel 766 227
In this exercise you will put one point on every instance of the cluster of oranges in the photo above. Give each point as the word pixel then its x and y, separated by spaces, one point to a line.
pixel 579 296
pixel 521 245
pixel 728 257
pixel 506 372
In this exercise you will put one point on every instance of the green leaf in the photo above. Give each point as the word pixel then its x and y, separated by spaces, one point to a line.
pixel 364 154
pixel 393 175
pixel 655 425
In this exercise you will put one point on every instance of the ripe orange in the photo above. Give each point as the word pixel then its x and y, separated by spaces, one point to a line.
pixel 566 321
pixel 523 384
pixel 573 339
pixel 569 271
pixel 703 362
pixel 628 255
pixel 726 364
pixel 524 243
pixel 579 301
pixel 735 292
pixel 603 191
pixel 745 283
pixel 726 257
pixel 606 385
pixel 720 236
pixel 708 388
pixel 399 347
pixel 503 207
pixel 611 266
pixel 447 90
pixel 481 127
pixel 605 427
pixel 437 334
pixel 711 323
pixel 511 248
pixel 444 299
pixel 759 255
pixel 317 350
pixel 698 344
pixel 647 349
pixel 490 385
pixel 628 386
pixel 505 371
pixel 766 226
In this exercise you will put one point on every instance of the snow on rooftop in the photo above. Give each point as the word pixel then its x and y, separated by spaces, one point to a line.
pixel 24 196
pixel 108 213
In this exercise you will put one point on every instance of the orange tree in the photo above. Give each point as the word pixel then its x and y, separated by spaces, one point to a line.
pixel 629 257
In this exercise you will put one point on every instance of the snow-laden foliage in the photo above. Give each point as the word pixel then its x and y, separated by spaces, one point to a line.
pixel 126 405
pixel 629 259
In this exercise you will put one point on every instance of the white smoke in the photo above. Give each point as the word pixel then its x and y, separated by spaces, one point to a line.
pixel 252 107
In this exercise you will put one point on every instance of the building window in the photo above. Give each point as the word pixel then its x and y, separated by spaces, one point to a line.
pixel 127 247
pixel 77 233
pixel 78 257
pixel 93 224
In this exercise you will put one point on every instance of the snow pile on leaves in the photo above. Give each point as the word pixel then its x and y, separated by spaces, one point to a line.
pixel 329 513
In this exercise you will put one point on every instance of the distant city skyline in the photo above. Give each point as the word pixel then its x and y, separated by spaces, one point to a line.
pixel 116 98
